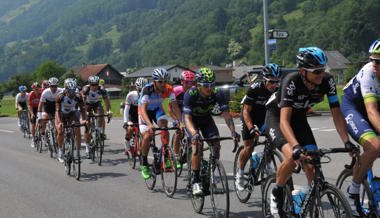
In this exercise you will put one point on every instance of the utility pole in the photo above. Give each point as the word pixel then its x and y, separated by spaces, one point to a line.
pixel 265 11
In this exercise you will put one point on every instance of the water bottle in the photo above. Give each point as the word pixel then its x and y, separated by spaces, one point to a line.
pixel 376 188
pixel 255 159
pixel 299 195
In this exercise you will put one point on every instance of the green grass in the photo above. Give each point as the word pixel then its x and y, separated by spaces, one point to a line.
pixel 324 105
pixel 8 107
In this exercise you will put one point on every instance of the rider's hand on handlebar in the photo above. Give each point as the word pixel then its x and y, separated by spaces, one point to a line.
pixel 254 131
pixel 354 149
pixel 297 152
pixel 196 138
pixel 109 114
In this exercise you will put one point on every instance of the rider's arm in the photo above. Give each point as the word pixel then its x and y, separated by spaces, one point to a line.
pixel 229 121
pixel 107 102
pixel 126 112
pixel 144 114
pixel 16 101
pixel 340 123
pixel 82 109
pixel 246 116
pixel 373 114
pixel 189 124
pixel 225 111
pixel 285 125
pixel 176 110
pixel 58 101
pixel 30 102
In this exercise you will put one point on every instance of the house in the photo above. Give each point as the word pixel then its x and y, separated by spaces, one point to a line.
pixel 173 70
pixel 111 76
pixel 336 64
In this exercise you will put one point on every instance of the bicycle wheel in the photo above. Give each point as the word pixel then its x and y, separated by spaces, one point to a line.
pixel 98 148
pixel 366 198
pixel 332 204
pixel 27 122
pixel 38 138
pixel 269 184
pixel 48 140
pixel 68 156
pixel 180 155
pixel 244 195
pixel 151 182
pixel 76 162
pixel 197 201
pixel 169 171
pixel 132 152
pixel 220 195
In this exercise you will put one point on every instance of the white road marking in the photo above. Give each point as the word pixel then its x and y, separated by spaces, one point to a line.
pixel 6 131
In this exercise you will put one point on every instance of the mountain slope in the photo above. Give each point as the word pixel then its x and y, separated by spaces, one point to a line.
pixel 128 33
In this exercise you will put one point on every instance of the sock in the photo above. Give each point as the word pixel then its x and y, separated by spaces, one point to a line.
pixel 196 176
pixel 354 188
pixel 127 144
pixel 145 160
pixel 241 172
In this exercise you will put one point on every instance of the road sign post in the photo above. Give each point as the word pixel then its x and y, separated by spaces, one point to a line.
pixel 278 34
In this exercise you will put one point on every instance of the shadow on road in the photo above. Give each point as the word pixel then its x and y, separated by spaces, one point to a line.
pixel 85 177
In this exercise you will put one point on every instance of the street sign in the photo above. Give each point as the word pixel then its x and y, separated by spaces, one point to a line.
pixel 280 34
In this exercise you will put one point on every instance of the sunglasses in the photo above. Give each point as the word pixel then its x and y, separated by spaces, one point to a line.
pixel 190 83
pixel 53 86
pixel 316 71
pixel 376 61
pixel 160 81
pixel 94 84
pixel 207 85
pixel 273 81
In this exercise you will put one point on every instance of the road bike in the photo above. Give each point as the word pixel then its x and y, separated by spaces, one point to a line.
pixel 97 137
pixel 72 158
pixel 369 194
pixel 134 151
pixel 266 165
pixel 164 163
pixel 213 180
pixel 25 124
pixel 322 200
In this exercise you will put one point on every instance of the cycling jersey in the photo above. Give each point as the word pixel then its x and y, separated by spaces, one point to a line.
pixel 179 94
pixel 364 87
pixel 49 98
pixel 130 109
pixel 257 96
pixel 153 99
pixel 293 93
pixel 34 99
pixel 94 97
pixel 21 100
pixel 67 104
pixel 198 106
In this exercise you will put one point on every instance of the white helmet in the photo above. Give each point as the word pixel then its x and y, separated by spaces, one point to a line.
pixel 93 80
pixel 53 81
pixel 140 82
pixel 160 74
pixel 70 84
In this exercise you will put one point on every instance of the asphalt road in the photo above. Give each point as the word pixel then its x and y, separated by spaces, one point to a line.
pixel 34 185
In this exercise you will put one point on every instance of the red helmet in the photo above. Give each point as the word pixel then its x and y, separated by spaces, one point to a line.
pixel 44 84
pixel 35 85
pixel 188 76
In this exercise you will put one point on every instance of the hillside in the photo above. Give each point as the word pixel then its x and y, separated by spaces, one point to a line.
pixel 135 33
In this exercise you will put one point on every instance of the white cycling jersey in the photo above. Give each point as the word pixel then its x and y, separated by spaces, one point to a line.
pixel 48 95
pixel 20 98
pixel 131 101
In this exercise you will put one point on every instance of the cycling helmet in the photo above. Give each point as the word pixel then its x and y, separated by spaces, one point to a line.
pixel 271 70
pixel 140 82
pixel 188 76
pixel 70 84
pixel 53 81
pixel 44 84
pixel 22 88
pixel 93 80
pixel 160 74
pixel 101 82
pixel 205 75
pixel 375 47
pixel 35 85
pixel 311 57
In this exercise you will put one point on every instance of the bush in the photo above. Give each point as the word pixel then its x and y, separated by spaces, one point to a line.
pixel 234 104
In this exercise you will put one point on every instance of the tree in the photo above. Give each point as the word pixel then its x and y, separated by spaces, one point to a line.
pixel 49 69
pixel 234 49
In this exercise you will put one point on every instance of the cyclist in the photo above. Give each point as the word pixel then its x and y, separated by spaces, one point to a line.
pixel 20 102
pixel 286 121
pixel 92 97
pixel 253 114
pixel 44 85
pixel 360 107
pixel 151 109
pixel 130 110
pixel 197 105
pixel 46 106
pixel 187 79
pixel 33 101
pixel 68 102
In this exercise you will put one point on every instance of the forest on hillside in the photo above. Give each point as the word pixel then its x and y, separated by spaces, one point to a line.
pixel 138 33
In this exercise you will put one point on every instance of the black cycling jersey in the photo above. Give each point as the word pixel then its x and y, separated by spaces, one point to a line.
pixel 198 106
pixel 293 93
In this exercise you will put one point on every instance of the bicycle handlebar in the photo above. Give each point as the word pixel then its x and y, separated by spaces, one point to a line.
pixel 100 115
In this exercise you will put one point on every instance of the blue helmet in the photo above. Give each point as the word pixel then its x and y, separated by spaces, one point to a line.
pixel 271 70
pixel 22 88
pixel 311 57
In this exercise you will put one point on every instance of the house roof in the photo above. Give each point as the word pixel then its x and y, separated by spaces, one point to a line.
pixel 89 70
pixel 336 61
pixel 147 71
pixel 242 70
